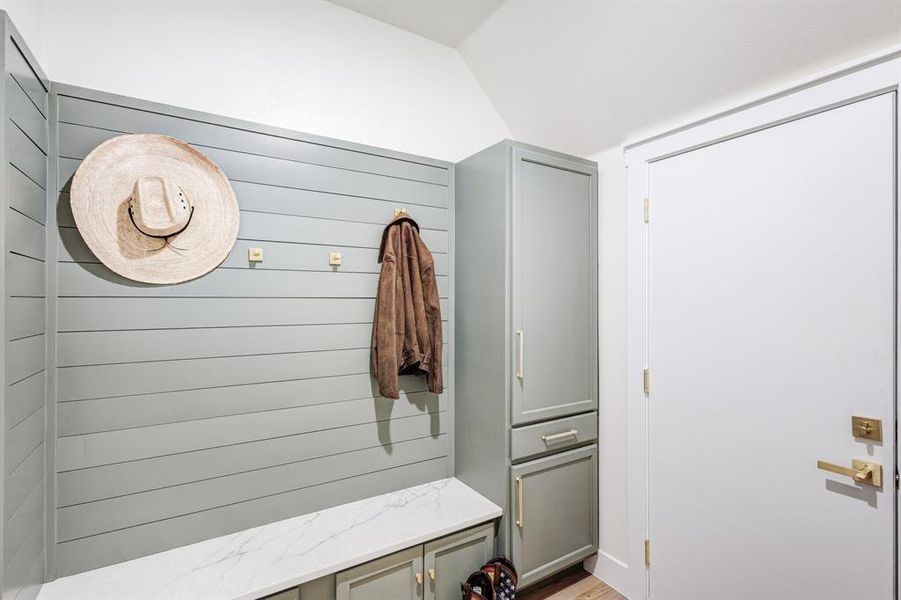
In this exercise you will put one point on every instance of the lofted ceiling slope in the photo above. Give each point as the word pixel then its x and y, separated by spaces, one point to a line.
pixel 447 22
pixel 583 76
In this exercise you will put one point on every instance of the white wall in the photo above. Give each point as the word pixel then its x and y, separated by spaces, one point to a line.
pixel 611 563
pixel 310 66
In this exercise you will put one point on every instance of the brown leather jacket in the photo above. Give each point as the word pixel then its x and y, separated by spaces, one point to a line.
pixel 406 333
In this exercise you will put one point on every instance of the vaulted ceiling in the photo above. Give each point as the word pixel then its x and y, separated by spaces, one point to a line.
pixel 582 76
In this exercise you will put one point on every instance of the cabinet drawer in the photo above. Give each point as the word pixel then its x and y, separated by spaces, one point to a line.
pixel 552 436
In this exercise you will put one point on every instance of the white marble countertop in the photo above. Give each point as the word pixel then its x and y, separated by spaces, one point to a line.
pixel 268 559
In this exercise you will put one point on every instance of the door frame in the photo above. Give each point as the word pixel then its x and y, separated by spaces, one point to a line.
pixel 866 78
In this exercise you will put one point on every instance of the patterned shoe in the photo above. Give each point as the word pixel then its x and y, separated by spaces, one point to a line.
pixel 478 587
pixel 503 577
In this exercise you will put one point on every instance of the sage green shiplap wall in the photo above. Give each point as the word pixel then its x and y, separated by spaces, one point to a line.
pixel 24 176
pixel 190 411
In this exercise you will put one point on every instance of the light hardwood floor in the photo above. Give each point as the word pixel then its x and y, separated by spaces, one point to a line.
pixel 572 585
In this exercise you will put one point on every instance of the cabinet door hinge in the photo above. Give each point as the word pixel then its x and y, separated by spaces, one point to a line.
pixel 647 210
pixel 646 375
pixel 647 553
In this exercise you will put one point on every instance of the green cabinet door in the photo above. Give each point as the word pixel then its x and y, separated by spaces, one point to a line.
pixel 398 576
pixel 554 287
pixel 555 512
pixel 450 560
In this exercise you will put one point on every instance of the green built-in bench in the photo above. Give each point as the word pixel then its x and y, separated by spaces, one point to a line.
pixel 417 543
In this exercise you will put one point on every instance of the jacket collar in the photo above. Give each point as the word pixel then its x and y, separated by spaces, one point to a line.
pixel 398 220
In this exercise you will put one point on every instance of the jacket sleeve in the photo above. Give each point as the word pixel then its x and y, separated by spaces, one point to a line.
pixel 432 302
pixel 384 353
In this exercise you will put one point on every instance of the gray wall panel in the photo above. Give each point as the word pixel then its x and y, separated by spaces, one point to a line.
pixel 24 317
pixel 24 520
pixel 107 481
pixel 22 480
pixel 20 65
pixel 115 546
pixel 107 347
pixel 24 358
pixel 284 256
pixel 25 114
pixel 188 411
pixel 80 451
pixel 76 279
pixel 82 520
pixel 23 438
pixel 24 398
pixel 123 119
pixel 25 195
pixel 106 414
pixel 323 205
pixel 25 276
pixel 24 155
pixel 86 314
pixel 23 282
pixel 24 235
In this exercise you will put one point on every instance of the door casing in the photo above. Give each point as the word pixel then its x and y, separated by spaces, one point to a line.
pixel 866 78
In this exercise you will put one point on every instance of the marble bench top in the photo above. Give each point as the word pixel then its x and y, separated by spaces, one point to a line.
pixel 263 560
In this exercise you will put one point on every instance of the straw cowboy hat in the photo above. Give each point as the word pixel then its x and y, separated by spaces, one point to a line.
pixel 154 209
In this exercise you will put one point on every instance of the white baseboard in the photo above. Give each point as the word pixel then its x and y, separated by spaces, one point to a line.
pixel 610 570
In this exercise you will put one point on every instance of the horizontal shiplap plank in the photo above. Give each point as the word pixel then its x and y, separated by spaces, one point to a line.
pixel 24 317
pixel 108 347
pixel 106 414
pixel 27 157
pixel 24 276
pixel 77 142
pixel 25 195
pixel 277 255
pixel 91 314
pixel 23 398
pixel 96 280
pixel 17 66
pixel 24 520
pixel 22 480
pixel 102 381
pixel 135 509
pixel 22 439
pixel 107 481
pixel 91 450
pixel 25 114
pixel 269 227
pixel 306 203
pixel 284 173
pixel 24 357
pixel 24 235
pixel 96 551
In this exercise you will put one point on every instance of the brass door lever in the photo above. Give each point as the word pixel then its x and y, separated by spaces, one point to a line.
pixel 861 471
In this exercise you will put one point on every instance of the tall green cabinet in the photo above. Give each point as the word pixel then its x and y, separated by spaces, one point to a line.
pixel 526 349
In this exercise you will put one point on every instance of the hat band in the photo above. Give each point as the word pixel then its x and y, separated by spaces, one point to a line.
pixel 131 215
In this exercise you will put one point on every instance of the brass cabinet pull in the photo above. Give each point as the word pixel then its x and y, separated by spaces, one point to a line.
pixel 432 574
pixel 419 578
pixel 861 471
pixel 519 509
pixel 519 373
pixel 559 436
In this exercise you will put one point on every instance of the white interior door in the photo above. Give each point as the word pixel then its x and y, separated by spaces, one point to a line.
pixel 771 321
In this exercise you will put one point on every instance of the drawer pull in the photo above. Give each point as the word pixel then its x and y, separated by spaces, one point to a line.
pixel 519 510
pixel 432 574
pixel 559 436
